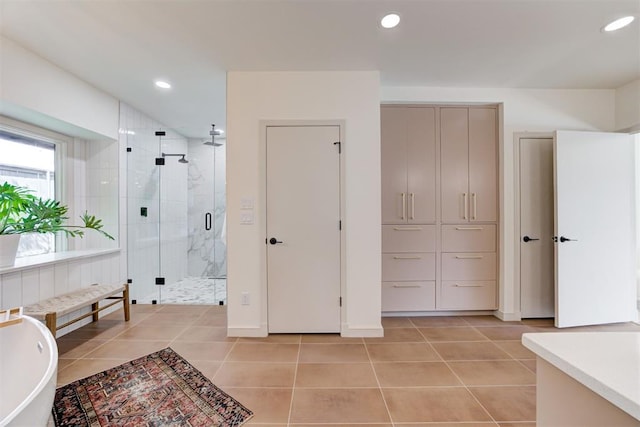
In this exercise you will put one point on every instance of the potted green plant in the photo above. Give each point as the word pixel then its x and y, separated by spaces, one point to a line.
pixel 22 212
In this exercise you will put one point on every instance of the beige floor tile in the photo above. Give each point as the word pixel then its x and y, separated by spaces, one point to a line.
pixel 462 333
pixel 396 322
pixel 335 375
pixel 169 319
pixel 480 424
pixel 414 374
pixel 211 319
pixel 333 353
pixel 504 333
pixel 438 321
pixel 538 322
pixel 202 350
pixel 151 333
pixel 517 403
pixel 249 374
pixel 85 367
pixel 126 349
pixel 437 404
pixel 105 331
pixel 530 363
pixel 516 349
pixel 329 339
pixel 206 334
pixel 402 352
pixel 494 372
pixel 358 405
pixel 342 425
pixel 183 309
pixel 488 321
pixel 269 405
pixel 275 339
pixel 516 424
pixel 63 363
pixel 397 335
pixel 264 352
pixel 470 351
pixel 75 349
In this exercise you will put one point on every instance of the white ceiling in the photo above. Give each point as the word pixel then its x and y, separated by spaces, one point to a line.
pixel 121 46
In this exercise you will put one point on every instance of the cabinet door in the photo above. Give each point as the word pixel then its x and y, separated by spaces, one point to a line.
pixel 394 164
pixel 421 165
pixel 483 167
pixel 454 164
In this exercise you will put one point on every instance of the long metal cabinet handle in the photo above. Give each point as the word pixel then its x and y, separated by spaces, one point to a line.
pixel 404 205
pixel 469 257
pixel 412 199
pixel 407 257
pixel 457 285
pixel 407 228
pixel 406 286
pixel 464 206
pixel 474 204
pixel 469 228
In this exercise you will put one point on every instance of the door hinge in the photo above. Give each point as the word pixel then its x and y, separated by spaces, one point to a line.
pixel 340 225
pixel 340 301
pixel 339 144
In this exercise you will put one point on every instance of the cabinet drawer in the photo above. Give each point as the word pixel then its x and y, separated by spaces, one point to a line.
pixel 408 296
pixel 408 266
pixel 467 295
pixel 469 238
pixel 469 266
pixel 408 238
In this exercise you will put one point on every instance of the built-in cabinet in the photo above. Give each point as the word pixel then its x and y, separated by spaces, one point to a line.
pixel 439 207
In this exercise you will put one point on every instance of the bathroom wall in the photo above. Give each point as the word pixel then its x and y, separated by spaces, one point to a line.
pixel 157 238
pixel 207 252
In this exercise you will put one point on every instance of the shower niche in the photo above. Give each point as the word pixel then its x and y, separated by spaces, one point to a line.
pixel 176 246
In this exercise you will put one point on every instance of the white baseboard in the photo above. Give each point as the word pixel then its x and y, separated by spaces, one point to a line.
pixel 361 332
pixel 508 317
pixel 260 332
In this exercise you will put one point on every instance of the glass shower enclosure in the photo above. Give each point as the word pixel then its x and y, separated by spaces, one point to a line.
pixel 176 245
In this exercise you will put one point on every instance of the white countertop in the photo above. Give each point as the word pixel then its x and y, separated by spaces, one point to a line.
pixel 608 363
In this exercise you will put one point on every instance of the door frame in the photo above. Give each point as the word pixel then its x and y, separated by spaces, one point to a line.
pixel 517 136
pixel 262 216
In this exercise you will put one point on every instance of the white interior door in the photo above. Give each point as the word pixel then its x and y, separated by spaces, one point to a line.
pixel 536 228
pixel 594 208
pixel 303 228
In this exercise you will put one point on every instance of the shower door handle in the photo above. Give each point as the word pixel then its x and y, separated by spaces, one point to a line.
pixel 207 221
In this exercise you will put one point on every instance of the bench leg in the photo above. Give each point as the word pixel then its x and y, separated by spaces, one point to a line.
pixel 125 302
pixel 94 309
pixel 51 320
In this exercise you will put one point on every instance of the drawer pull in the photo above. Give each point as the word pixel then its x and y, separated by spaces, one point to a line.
pixel 457 285
pixel 407 286
pixel 412 199
pixel 407 228
pixel 469 228
pixel 404 205
pixel 469 257
pixel 407 257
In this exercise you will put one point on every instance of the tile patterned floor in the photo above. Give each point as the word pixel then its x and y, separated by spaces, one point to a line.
pixel 190 290
pixel 436 372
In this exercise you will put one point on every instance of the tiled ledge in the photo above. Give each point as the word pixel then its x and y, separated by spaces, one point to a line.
pixel 37 261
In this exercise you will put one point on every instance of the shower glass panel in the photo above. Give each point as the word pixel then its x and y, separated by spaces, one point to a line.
pixel 176 213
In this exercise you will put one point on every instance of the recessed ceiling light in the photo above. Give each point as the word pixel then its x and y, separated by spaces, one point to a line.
pixel 619 23
pixel 162 84
pixel 390 20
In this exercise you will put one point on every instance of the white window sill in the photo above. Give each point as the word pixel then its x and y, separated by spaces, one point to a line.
pixel 36 261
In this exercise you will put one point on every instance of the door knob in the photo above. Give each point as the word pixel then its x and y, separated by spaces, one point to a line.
pixel 566 239
pixel 528 239
pixel 273 241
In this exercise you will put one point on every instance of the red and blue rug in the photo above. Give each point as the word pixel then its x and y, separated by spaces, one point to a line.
pixel 160 389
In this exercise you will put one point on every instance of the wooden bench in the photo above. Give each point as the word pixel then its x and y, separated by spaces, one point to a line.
pixel 52 308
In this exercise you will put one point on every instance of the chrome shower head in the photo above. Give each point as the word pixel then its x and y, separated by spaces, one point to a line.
pixel 180 160
pixel 183 160
pixel 214 132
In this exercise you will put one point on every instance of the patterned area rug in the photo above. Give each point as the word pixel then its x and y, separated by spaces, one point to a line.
pixel 160 389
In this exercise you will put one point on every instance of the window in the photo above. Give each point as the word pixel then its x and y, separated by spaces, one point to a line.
pixel 30 162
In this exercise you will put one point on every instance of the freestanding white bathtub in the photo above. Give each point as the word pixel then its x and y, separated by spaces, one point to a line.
pixel 28 373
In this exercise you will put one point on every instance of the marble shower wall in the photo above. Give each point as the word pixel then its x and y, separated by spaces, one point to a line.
pixel 207 253
pixel 156 203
